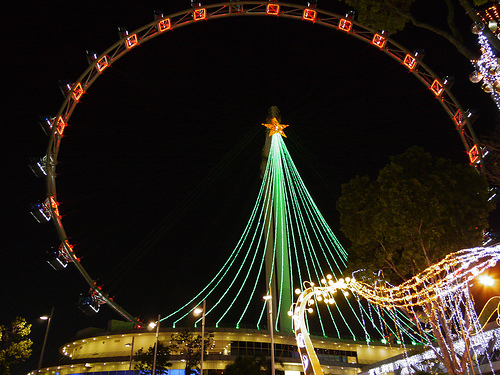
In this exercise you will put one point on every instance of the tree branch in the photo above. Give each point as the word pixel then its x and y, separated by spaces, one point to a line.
pixel 450 19
pixel 391 264
pixel 461 47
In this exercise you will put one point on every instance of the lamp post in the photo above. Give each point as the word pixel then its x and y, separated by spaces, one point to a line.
pixel 197 312
pixel 153 372
pixel 48 318
pixel 131 354
pixel 269 301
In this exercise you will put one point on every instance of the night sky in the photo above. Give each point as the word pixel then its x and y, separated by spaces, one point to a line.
pixel 159 167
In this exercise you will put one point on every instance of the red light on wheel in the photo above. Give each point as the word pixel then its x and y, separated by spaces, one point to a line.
pixel 102 64
pixel 200 14
pixel 54 204
pixel 60 125
pixel 410 62
pixel 379 41
pixel 437 88
pixel 164 25
pixel 345 25
pixel 273 9
pixel 131 41
pixel 473 154
pixel 309 15
pixel 78 91
pixel 459 119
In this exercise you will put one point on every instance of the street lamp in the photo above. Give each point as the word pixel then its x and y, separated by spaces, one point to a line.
pixel 48 318
pixel 486 280
pixel 157 325
pixel 197 312
pixel 269 301
pixel 131 345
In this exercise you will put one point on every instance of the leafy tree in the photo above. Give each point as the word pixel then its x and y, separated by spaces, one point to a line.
pixel 15 346
pixel 144 359
pixel 394 15
pixel 188 344
pixel 244 366
pixel 251 366
pixel 418 210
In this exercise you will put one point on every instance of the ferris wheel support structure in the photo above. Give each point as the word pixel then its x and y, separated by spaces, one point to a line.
pixel 411 61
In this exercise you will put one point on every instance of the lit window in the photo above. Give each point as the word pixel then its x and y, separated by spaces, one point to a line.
pixel 309 15
pixel 345 25
pixel 437 88
pixel 379 40
pixel 273 9
pixel 78 91
pixel 102 64
pixel 131 41
pixel 200 14
pixel 410 62
pixel 473 154
pixel 164 25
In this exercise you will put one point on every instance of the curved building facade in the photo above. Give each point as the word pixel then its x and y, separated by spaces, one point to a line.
pixel 110 352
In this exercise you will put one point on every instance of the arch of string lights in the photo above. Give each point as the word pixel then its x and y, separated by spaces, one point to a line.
pixel 163 25
pixel 446 282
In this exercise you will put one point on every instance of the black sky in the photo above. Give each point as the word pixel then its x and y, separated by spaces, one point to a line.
pixel 160 165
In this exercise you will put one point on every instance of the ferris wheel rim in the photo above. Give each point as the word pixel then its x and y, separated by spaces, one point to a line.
pixel 164 24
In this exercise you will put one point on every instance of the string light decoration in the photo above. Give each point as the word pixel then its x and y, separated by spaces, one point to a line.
pixel 487 69
pixel 437 300
pixel 437 281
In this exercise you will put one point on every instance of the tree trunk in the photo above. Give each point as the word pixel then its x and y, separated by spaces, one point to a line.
pixel 447 358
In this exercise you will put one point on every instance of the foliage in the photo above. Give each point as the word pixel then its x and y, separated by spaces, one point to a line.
pixel 419 209
pixel 15 346
pixel 393 15
pixel 144 359
pixel 251 366
pixel 188 345
pixel 244 366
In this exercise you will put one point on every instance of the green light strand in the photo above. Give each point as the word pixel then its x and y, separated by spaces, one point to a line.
pixel 309 201
pixel 225 268
pixel 253 259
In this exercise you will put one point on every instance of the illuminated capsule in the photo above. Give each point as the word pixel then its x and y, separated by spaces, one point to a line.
pixel 496 87
pixel 475 77
pixel 487 87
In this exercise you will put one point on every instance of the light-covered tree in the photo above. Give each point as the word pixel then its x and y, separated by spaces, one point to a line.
pixel 418 210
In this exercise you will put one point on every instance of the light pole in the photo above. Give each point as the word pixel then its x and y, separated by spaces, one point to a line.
pixel 197 312
pixel 153 372
pixel 48 318
pixel 131 354
pixel 269 301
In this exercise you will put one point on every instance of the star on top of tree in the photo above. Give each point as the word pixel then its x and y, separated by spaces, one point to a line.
pixel 275 127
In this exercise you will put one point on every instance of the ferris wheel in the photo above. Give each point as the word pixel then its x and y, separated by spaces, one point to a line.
pixel 99 64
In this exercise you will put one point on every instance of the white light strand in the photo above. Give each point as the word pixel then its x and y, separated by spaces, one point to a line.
pixel 487 69
pixel 404 365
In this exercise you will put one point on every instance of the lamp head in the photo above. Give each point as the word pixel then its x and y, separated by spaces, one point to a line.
pixel 198 311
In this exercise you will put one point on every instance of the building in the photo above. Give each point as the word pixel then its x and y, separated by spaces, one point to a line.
pixel 108 352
